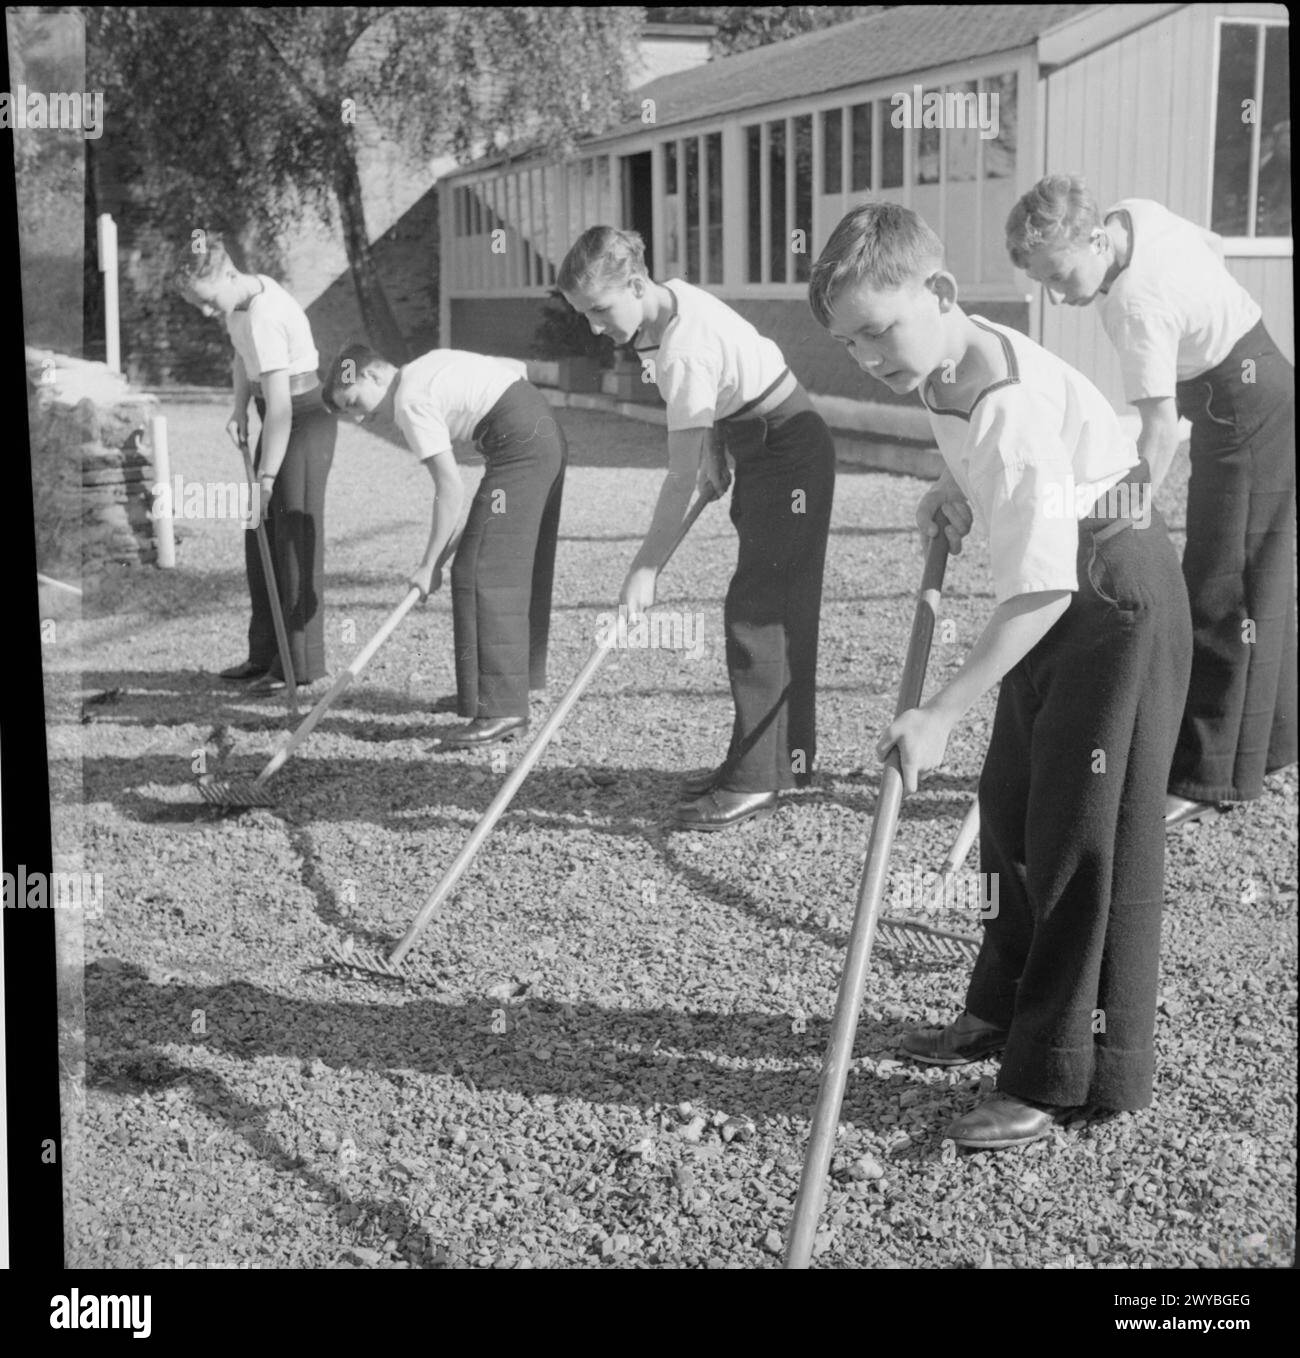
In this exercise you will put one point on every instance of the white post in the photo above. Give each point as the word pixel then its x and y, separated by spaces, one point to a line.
pixel 162 475
pixel 106 236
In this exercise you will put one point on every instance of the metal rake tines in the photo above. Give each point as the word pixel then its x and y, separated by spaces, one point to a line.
pixel 233 792
pixel 375 965
pixel 925 938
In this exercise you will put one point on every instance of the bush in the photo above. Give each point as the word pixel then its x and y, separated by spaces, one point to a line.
pixel 562 333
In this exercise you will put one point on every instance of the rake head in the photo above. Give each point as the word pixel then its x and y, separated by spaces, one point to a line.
pixel 348 957
pixel 236 793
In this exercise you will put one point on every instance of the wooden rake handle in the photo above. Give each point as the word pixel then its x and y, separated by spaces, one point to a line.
pixel 268 574
pixel 359 662
pixel 521 771
pixel 871 890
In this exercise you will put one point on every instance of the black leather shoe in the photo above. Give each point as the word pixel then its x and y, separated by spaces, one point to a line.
pixel 950 1047
pixel 699 781
pixel 481 731
pixel 268 682
pixel 1003 1122
pixel 241 673
pixel 720 808
pixel 1182 811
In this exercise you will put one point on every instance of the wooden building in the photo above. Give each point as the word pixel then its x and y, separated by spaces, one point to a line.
pixel 736 171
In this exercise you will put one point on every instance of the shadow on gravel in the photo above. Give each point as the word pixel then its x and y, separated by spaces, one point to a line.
pixel 646 1058
pixel 403 793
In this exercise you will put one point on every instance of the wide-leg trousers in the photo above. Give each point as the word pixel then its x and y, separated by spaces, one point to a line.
pixel 1071 803
pixel 781 507
pixel 1239 565
pixel 502 577
pixel 295 532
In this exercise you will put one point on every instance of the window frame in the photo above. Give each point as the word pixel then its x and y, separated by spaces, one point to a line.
pixel 1258 247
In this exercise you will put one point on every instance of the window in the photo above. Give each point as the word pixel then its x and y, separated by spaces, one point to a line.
pixel 1251 186
pixel 713 200
pixel 832 149
pixel 861 121
pixel 692 208
pixel 959 173
pixel 786 192
pixel 754 179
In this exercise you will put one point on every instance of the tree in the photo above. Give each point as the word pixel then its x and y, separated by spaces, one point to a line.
pixel 741 27
pixel 240 113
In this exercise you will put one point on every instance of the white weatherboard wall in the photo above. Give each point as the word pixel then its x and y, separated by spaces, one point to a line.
pixel 1135 118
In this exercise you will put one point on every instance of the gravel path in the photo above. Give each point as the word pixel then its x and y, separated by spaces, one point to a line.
pixel 613 1052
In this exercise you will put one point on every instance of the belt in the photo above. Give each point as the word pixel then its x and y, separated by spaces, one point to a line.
pixel 766 401
pixel 299 385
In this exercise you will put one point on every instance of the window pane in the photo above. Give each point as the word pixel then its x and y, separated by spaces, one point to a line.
pixel 891 154
pixel 692 210
pixel 753 157
pixel 861 120
pixel 673 243
pixel 713 180
pixel 1233 136
pixel 928 142
pixel 832 149
pixel 961 142
pixel 1273 207
pixel 779 244
pixel 803 193
pixel 1000 151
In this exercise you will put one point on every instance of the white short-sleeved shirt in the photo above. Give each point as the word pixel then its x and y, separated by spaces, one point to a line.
pixel 711 361
pixel 444 394
pixel 272 333
pixel 1175 311
pixel 1038 447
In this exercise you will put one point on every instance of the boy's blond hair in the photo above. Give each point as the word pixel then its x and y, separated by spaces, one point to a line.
pixel 603 256
pixel 1058 210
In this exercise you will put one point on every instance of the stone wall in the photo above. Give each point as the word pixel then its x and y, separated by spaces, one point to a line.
pixel 91 467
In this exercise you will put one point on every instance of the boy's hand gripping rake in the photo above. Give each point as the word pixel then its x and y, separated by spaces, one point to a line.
pixel 268 574
pixel 871 890
pixel 387 966
pixel 240 792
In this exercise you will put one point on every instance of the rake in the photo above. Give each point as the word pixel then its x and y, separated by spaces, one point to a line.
pixel 871 890
pixel 355 959
pixel 239 793
pixel 928 939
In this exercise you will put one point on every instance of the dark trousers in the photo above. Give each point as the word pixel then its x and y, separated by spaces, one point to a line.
pixel 295 532
pixel 1071 820
pixel 781 506
pixel 1239 565
pixel 504 569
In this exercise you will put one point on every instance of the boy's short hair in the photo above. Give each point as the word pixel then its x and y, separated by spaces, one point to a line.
pixel 1058 210
pixel 204 256
pixel 603 256
pixel 883 245
pixel 352 361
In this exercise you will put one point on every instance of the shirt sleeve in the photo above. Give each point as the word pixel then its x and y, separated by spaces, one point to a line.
pixel 1022 487
pixel 689 386
pixel 424 428
pixel 1147 343
pixel 269 337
